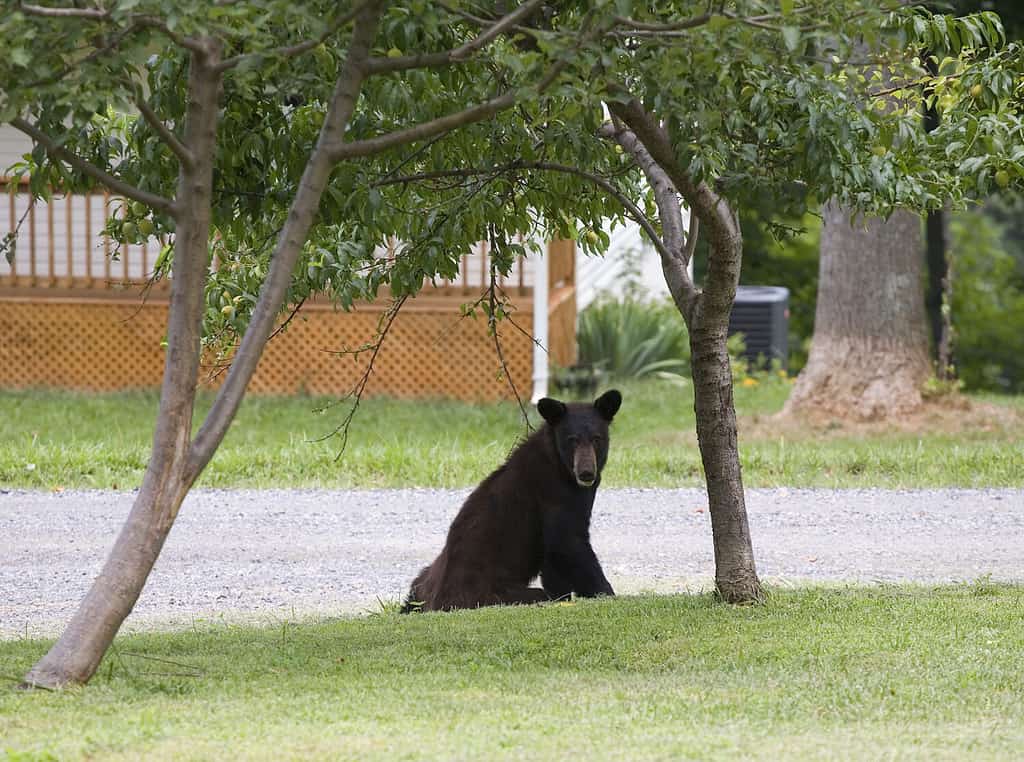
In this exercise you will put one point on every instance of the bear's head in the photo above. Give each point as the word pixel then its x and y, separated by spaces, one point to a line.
pixel 581 434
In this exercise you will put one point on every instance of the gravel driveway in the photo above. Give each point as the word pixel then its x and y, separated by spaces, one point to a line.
pixel 260 555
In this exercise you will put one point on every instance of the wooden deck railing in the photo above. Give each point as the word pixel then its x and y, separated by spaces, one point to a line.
pixel 61 249
pixel 60 244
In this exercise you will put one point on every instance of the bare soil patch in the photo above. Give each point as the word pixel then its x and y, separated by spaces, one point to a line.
pixel 949 414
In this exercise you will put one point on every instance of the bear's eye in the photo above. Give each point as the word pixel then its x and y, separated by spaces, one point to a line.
pixel 598 439
pixel 573 439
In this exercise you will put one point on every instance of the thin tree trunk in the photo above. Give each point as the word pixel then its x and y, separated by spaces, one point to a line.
pixel 76 655
pixel 937 298
pixel 936 259
pixel 706 314
pixel 869 356
pixel 735 571
pixel 175 463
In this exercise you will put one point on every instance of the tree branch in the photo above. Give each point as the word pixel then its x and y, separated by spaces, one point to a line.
pixel 632 210
pixel 424 130
pixel 166 135
pixel 671 26
pixel 95 14
pixel 290 51
pixel 152 200
pixel 384 324
pixel 699 196
pixel 290 241
pixel 676 250
pixel 100 51
pixel 455 55
pixel 153 22
pixel 440 125
pixel 714 211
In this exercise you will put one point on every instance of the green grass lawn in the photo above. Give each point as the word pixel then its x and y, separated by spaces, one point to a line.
pixel 885 673
pixel 54 439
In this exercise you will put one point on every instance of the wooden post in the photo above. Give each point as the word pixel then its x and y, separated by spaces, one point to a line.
pixel 106 243
pixel 32 240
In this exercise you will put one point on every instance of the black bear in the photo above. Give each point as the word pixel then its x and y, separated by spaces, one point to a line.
pixel 530 517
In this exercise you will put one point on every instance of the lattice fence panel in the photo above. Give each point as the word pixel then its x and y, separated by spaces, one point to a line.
pixel 98 345
pixel 103 345
pixel 427 353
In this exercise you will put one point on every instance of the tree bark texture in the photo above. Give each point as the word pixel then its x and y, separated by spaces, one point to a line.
pixel 706 314
pixel 76 655
pixel 735 570
pixel 869 355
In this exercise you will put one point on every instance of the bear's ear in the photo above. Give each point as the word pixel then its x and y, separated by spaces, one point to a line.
pixel 551 410
pixel 608 404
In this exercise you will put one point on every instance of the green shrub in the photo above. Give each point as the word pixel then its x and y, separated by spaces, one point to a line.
pixel 633 338
pixel 988 305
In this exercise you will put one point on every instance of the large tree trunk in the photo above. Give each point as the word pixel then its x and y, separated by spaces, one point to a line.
pixel 869 356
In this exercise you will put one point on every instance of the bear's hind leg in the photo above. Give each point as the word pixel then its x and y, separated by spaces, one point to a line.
pixel 416 600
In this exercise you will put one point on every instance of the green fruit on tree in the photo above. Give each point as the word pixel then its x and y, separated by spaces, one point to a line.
pixel 129 231
pixel 229 310
pixel 395 53
pixel 139 209
pixel 879 150
pixel 146 227
pixel 1002 178
pixel 592 237
pixel 977 90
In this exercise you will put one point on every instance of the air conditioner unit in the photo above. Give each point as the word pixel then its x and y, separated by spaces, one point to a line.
pixel 761 314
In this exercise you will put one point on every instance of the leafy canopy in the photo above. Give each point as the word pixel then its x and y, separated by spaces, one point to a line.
pixel 794 99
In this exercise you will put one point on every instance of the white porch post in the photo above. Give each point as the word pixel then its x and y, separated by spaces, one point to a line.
pixel 540 323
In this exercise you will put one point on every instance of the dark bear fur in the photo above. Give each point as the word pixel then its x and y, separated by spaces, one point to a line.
pixel 530 517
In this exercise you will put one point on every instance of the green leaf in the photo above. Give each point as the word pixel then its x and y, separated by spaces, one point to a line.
pixel 786 6
pixel 791 36
pixel 20 56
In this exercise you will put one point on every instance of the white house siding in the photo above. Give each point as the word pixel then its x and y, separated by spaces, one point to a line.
pixel 596 276
pixel 13 145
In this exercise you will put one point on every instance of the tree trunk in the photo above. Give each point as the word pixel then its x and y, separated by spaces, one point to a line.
pixel 937 298
pixel 706 314
pixel 735 572
pixel 869 356
pixel 937 260
pixel 176 462
pixel 76 655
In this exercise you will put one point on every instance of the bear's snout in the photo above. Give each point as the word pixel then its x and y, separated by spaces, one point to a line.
pixel 584 465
